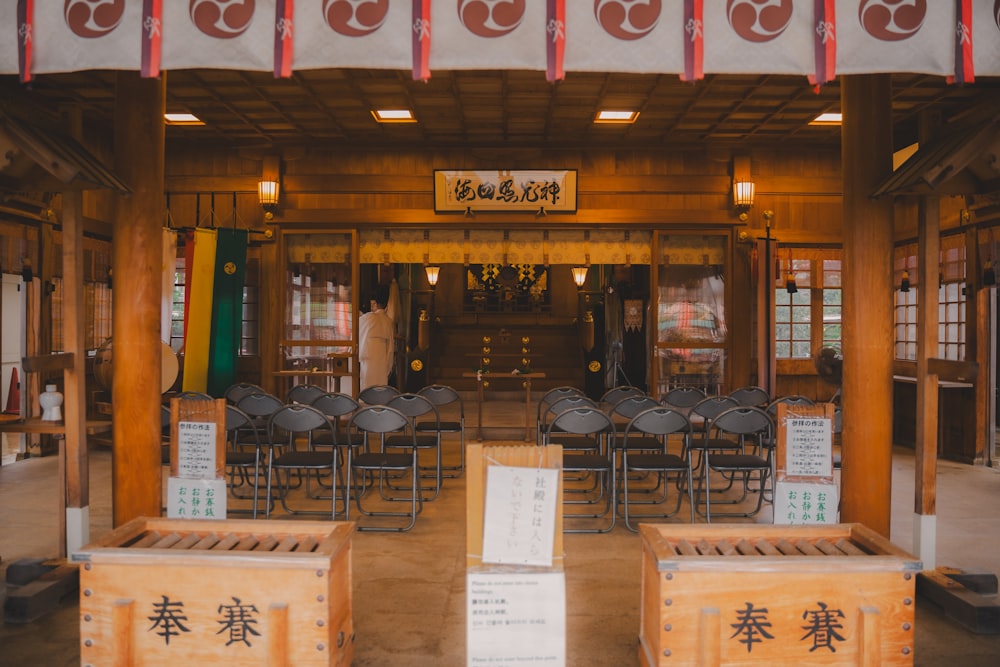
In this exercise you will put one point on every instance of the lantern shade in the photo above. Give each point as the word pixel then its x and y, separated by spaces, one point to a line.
pixel 267 192
pixel 579 275
pixel 432 274
pixel 743 192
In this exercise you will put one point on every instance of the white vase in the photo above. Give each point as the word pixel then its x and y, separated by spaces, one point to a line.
pixel 51 402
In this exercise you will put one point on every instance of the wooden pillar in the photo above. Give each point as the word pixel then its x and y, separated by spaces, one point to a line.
pixel 136 265
pixel 866 152
pixel 925 483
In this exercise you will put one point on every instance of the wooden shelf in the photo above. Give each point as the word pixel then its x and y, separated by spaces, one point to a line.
pixel 36 425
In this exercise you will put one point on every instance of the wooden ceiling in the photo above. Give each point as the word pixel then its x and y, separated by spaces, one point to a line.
pixel 477 108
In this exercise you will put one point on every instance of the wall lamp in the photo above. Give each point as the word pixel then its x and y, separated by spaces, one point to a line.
pixel 579 275
pixel 743 192
pixel 267 194
pixel 433 272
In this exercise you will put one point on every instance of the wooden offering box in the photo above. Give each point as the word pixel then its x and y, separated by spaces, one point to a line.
pixel 742 594
pixel 198 592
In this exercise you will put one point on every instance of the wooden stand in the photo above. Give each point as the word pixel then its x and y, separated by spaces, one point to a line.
pixel 482 378
pixel 775 595
pixel 176 592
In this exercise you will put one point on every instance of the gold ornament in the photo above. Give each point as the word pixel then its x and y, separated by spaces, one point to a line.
pixel 594 366
pixel 416 365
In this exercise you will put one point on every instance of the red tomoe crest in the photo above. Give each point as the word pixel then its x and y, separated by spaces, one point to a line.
pixel 93 18
pixel 355 18
pixel 491 18
pixel 627 19
pixel 222 19
pixel 759 20
pixel 892 20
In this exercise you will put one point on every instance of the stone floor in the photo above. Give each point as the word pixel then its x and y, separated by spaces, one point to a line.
pixel 410 588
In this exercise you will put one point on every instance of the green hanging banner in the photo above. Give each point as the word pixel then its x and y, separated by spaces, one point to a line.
pixel 227 309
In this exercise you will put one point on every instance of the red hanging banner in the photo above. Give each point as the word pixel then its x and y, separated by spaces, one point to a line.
pixel 421 40
pixel 694 41
pixel 152 37
pixel 825 42
pixel 283 46
pixel 965 70
pixel 25 24
pixel 555 42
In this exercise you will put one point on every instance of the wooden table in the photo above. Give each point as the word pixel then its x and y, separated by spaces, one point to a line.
pixel 525 377
pixel 36 425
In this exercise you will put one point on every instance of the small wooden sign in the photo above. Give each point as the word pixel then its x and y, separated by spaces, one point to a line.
pixel 499 190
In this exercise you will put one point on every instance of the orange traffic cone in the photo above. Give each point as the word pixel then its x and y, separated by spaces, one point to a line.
pixel 13 395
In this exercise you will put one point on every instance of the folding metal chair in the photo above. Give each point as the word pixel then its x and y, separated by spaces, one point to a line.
pixel 658 423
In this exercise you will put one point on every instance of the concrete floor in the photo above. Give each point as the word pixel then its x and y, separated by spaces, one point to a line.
pixel 409 589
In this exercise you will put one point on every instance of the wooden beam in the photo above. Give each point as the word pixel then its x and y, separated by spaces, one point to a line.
pixel 928 249
pixel 866 140
pixel 47 363
pixel 136 263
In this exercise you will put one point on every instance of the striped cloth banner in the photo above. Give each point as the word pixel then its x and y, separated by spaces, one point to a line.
pixel 213 312
pixel 694 41
pixel 198 289
pixel 555 43
pixel 965 69
pixel 825 40
pixel 283 48
pixel 421 40
pixel 227 309
pixel 25 43
pixel 152 38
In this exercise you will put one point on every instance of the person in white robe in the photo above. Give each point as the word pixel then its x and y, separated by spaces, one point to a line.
pixel 375 335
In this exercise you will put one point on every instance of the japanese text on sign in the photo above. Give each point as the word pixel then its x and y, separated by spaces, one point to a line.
pixel 505 190
pixel 196 450
pixel 519 521
pixel 809 447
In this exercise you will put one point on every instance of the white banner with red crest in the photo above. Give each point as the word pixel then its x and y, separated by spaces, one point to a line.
pixel 720 36
pixel 480 34
pixel 373 35
pixel 617 36
pixel 80 35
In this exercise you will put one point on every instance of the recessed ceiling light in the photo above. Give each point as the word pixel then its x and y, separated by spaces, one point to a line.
pixel 182 119
pixel 394 116
pixel 832 118
pixel 615 116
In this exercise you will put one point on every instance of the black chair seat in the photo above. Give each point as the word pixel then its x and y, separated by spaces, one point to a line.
pixel 656 462
pixel 297 459
pixel 585 462
pixel 737 462
pixel 382 461
pixel 422 441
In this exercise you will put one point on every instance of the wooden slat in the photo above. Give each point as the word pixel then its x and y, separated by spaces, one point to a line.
pixel 148 540
pixel 47 363
pixel 306 545
pixel 849 548
pixel 207 542
pixel 247 543
pixel 766 548
pixel 187 541
pixel 808 548
pixel 685 548
pixel 167 542
pixel 227 542
pixel 269 543
pixel 287 544
pixel 726 548
pixel 745 548
pixel 706 548
pixel 787 548
pixel 828 548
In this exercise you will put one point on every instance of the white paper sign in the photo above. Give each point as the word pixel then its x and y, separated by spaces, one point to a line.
pixel 519 518
pixel 196 450
pixel 809 446
pixel 805 503
pixel 516 619
pixel 196 498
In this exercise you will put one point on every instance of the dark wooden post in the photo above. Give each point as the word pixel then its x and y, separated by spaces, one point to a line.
pixel 866 152
pixel 136 265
